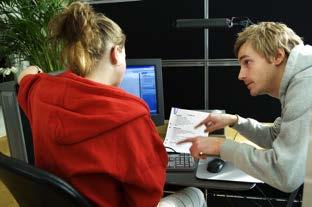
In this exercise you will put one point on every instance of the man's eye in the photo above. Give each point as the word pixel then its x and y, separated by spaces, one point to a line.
pixel 246 62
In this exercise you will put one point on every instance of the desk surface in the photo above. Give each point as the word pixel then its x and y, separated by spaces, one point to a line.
pixel 189 178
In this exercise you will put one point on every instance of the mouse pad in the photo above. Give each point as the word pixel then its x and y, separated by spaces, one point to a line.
pixel 228 173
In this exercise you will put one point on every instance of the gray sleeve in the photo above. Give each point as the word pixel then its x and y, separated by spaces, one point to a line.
pixel 283 164
pixel 262 135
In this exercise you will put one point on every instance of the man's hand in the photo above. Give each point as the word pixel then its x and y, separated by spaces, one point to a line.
pixel 215 121
pixel 204 146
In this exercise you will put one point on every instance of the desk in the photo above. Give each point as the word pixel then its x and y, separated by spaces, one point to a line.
pixel 189 178
pixel 227 193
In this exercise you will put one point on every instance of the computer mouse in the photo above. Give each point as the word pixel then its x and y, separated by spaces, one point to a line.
pixel 215 165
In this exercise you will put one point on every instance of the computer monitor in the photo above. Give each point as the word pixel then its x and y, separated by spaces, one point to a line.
pixel 143 78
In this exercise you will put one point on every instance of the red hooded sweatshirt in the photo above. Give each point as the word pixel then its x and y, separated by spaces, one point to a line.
pixel 97 137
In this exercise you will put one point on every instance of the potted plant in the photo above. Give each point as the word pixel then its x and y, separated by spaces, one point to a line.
pixel 24 37
pixel 8 74
pixel 24 31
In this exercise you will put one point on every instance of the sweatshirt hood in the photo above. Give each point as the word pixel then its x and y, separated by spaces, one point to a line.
pixel 83 109
pixel 299 60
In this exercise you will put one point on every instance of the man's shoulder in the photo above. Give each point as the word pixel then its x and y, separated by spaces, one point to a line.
pixel 297 99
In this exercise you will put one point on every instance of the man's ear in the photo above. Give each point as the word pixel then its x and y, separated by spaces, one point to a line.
pixel 279 57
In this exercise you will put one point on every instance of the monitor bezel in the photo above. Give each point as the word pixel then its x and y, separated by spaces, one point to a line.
pixel 158 118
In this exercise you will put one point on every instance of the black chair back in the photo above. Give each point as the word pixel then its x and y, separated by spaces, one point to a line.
pixel 33 187
pixel 17 126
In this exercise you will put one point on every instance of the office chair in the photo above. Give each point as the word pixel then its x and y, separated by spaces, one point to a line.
pixel 33 187
pixel 17 126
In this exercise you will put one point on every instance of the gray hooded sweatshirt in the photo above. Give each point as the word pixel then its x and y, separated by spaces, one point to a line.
pixel 281 161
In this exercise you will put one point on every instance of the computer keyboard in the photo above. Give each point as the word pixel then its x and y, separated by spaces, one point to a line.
pixel 180 162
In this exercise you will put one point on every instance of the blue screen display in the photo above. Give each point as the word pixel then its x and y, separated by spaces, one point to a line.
pixel 141 82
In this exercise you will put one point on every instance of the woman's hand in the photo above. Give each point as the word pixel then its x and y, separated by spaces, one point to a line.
pixel 27 71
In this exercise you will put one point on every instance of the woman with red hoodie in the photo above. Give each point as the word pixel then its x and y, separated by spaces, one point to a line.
pixel 85 128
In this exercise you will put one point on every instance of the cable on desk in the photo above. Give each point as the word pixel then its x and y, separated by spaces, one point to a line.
pixel 173 150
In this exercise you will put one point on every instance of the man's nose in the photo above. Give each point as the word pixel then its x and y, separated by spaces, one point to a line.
pixel 242 74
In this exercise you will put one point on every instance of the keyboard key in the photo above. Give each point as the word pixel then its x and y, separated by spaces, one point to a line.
pixel 180 162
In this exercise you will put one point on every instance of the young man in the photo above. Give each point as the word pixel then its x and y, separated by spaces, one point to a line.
pixel 273 61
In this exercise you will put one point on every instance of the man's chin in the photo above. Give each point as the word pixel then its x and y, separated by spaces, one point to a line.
pixel 254 93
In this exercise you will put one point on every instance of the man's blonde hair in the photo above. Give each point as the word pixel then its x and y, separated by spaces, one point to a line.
pixel 267 37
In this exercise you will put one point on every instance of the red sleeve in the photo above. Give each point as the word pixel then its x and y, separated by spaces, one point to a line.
pixel 135 169
pixel 24 91
pixel 144 185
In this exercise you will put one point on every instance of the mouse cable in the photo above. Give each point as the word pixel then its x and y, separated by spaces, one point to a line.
pixel 172 150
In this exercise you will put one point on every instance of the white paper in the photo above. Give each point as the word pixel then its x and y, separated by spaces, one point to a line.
pixel 181 126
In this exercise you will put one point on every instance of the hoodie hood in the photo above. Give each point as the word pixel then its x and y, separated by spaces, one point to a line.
pixel 298 61
pixel 80 109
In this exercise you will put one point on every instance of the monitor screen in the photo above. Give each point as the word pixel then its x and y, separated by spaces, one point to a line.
pixel 143 78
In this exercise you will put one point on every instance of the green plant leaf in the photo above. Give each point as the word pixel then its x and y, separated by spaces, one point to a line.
pixel 24 31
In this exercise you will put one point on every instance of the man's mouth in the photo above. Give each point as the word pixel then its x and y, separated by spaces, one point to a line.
pixel 248 85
